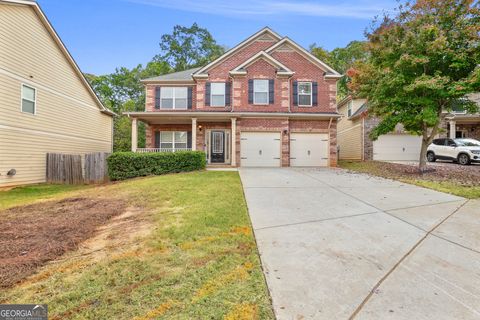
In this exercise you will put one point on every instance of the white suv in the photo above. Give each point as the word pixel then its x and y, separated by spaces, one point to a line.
pixel 463 151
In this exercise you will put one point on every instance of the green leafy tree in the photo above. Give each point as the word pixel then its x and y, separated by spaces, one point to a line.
pixel 421 62
pixel 341 59
pixel 188 47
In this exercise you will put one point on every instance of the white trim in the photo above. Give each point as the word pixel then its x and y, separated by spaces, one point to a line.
pixel 262 54
pixel 224 95
pixel 22 85
pixel 45 88
pixel 267 92
pixel 230 114
pixel 174 99
pixel 311 94
pixel 173 140
pixel 199 73
pixel 307 55
pixel 349 108
pixel 43 18
pixel 8 127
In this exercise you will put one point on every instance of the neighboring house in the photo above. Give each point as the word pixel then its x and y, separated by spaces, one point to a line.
pixel 355 125
pixel 46 104
pixel 266 102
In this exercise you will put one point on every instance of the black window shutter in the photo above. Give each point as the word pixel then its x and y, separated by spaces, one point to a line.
pixel 228 93
pixel 189 139
pixel 157 97
pixel 189 97
pixel 295 93
pixel 314 93
pixel 207 94
pixel 157 139
pixel 271 91
pixel 250 91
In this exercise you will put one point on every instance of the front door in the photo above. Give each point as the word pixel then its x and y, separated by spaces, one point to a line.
pixel 218 147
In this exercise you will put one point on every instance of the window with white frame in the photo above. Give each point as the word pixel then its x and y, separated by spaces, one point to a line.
pixel 305 94
pixel 29 96
pixel 217 94
pixel 349 109
pixel 175 140
pixel 260 91
pixel 173 98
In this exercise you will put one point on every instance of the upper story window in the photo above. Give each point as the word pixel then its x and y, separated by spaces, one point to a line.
pixel 173 97
pixel 305 94
pixel 217 94
pixel 29 96
pixel 260 92
pixel 349 109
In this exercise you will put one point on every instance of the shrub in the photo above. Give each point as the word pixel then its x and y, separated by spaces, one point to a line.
pixel 124 165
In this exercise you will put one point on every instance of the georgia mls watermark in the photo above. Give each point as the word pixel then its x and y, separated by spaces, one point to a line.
pixel 23 312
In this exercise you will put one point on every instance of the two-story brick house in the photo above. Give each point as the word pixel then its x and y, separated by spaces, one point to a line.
pixel 265 102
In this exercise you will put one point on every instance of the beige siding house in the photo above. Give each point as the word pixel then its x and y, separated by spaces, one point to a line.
pixel 350 129
pixel 46 104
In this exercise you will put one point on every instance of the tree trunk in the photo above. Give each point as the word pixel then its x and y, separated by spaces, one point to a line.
pixel 426 140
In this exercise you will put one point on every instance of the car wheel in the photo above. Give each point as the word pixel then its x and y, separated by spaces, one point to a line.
pixel 464 159
pixel 431 157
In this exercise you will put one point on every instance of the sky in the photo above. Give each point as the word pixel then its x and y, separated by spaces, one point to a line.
pixel 105 34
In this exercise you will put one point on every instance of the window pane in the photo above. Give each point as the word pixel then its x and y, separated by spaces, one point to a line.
pixel 217 88
pixel 180 103
pixel 217 101
pixel 260 98
pixel 166 92
pixel 166 136
pixel 304 100
pixel 181 93
pixel 167 103
pixel 305 88
pixel 28 93
pixel 180 136
pixel 180 145
pixel 260 85
pixel 28 106
pixel 166 145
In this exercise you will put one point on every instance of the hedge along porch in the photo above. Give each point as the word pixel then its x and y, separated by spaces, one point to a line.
pixel 221 135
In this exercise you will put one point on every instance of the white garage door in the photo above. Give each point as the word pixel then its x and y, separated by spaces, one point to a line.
pixel 397 147
pixel 260 149
pixel 308 149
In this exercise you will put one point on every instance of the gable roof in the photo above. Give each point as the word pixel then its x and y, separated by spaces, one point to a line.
pixel 329 71
pixel 266 30
pixel 43 18
pixel 363 108
pixel 185 75
pixel 282 69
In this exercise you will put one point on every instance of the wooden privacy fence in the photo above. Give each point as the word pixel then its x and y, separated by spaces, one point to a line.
pixel 67 168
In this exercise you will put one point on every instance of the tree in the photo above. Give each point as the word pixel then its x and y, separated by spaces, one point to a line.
pixel 341 59
pixel 421 62
pixel 188 47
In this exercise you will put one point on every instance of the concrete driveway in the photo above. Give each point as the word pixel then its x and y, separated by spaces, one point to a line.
pixel 338 245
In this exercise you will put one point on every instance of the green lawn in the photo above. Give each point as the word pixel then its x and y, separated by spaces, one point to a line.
pixel 198 259
pixel 28 194
pixel 427 181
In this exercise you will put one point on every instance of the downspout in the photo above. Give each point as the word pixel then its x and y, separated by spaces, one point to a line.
pixel 363 138
pixel 329 141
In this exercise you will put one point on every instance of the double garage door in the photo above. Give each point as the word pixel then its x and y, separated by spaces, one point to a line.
pixel 397 147
pixel 264 149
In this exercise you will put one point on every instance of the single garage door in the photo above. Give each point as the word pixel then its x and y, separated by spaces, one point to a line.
pixel 309 149
pixel 397 147
pixel 260 149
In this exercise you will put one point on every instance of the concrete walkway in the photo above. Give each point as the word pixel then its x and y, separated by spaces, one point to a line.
pixel 338 245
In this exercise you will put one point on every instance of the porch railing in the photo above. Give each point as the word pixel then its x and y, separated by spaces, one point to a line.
pixel 146 150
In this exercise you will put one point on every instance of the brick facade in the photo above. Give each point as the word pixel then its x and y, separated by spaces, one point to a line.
pixel 262 68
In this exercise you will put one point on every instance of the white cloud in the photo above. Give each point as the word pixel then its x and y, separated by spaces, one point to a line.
pixel 360 9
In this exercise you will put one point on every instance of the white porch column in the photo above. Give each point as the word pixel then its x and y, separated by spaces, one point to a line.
pixel 453 129
pixel 134 134
pixel 233 156
pixel 194 134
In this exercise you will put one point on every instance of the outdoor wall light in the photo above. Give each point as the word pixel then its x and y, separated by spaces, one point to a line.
pixel 11 172
pixel 200 128
pixel 285 131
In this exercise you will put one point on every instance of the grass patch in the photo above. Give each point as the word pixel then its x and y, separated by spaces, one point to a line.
pixel 198 261
pixel 448 180
pixel 28 194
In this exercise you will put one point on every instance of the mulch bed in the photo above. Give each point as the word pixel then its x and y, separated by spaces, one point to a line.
pixel 32 235
pixel 463 175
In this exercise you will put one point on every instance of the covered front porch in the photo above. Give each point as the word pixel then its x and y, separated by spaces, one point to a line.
pixel 464 126
pixel 214 134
